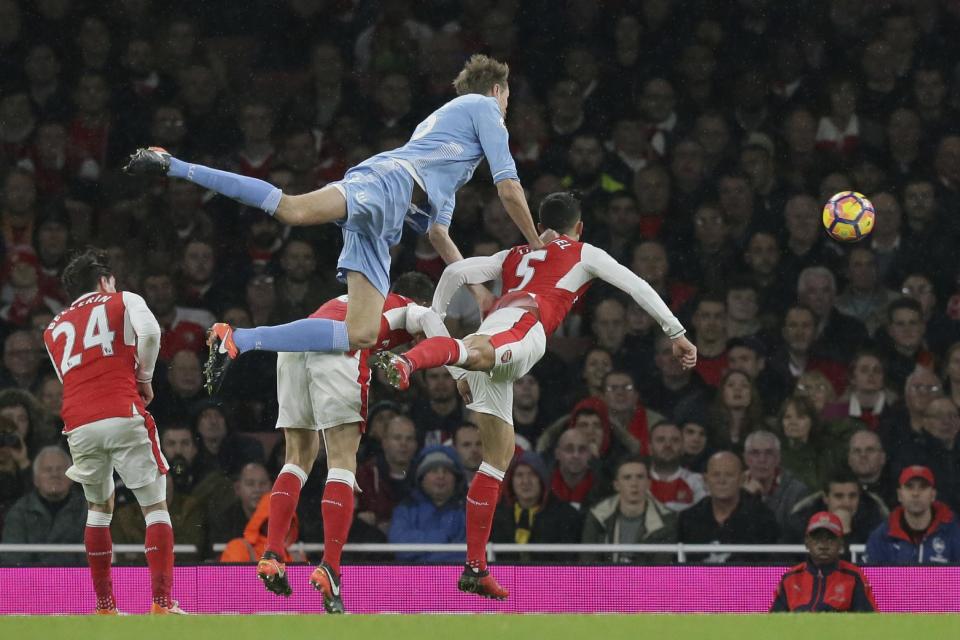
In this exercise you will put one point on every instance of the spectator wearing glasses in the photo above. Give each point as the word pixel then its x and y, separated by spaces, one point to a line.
pixel 868 461
pixel 902 346
pixel 779 489
pixel 922 530
pixel 904 421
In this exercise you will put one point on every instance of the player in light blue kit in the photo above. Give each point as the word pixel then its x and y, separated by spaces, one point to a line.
pixel 416 183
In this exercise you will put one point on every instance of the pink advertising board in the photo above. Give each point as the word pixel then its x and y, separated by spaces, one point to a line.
pixel 432 589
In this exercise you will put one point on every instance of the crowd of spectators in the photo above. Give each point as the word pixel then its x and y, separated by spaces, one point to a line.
pixel 702 138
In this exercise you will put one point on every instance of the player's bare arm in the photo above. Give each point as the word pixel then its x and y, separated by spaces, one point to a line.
pixel 515 202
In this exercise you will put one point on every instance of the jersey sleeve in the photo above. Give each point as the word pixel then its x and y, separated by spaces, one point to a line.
pixel 494 139
pixel 146 332
pixel 445 215
pixel 863 600
pixel 470 271
pixel 779 604
pixel 423 320
pixel 601 265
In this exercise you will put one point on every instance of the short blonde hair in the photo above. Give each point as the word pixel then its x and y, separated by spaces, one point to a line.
pixel 480 74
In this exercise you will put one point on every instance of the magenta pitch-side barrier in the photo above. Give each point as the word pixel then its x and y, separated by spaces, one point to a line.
pixel 431 589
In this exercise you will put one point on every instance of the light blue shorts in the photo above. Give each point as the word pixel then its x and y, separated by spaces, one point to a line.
pixel 378 198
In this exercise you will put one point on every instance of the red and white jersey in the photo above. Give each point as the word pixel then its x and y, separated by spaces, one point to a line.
pixel 100 346
pixel 401 319
pixel 678 491
pixel 555 277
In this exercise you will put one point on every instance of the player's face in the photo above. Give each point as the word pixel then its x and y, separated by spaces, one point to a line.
pixel 916 496
pixel 438 484
pixel 796 425
pixel 666 444
pixel 866 456
pixel 470 448
pixel 503 97
pixel 632 482
pixel 842 496
pixel 824 547
pixel 526 486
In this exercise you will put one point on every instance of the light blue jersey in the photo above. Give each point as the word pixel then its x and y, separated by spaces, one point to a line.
pixel 441 156
pixel 446 148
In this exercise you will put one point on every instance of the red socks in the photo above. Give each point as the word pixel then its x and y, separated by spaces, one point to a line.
pixel 283 504
pixel 436 352
pixel 158 547
pixel 337 510
pixel 99 544
pixel 481 503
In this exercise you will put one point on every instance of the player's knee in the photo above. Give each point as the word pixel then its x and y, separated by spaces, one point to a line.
pixel 362 337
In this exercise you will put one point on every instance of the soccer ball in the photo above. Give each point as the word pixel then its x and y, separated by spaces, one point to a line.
pixel 849 216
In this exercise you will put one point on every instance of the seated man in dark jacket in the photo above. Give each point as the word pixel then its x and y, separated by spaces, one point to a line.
pixel 824 582
pixel 631 516
pixel 529 514
pixel 728 515
pixel 859 511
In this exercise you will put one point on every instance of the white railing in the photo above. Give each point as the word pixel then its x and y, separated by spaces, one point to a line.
pixel 79 548
pixel 679 549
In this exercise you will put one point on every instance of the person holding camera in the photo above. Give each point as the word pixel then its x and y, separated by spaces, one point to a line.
pixel 15 476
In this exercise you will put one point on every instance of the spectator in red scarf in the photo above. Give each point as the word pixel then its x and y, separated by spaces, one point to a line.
pixel 572 479
pixel 866 397
pixel 630 419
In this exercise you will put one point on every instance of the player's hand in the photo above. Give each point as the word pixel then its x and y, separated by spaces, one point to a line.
pixel 549 236
pixel 145 389
pixel 685 352
pixel 483 296
pixel 750 485
pixel 464 388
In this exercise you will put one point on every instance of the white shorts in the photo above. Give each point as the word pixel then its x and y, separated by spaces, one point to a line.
pixel 519 342
pixel 322 390
pixel 129 445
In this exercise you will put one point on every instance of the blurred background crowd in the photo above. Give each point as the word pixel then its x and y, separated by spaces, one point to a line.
pixel 703 138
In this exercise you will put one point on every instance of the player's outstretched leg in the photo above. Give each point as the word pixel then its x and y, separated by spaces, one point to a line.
pixel 429 353
pixel 99 546
pixel 244 189
pixel 283 504
pixel 226 344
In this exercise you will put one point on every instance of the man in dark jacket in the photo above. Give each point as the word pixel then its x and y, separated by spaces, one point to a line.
pixel 728 515
pixel 824 582
pixel 50 514
pixel 859 511
pixel 631 516
pixel 921 530
pixel 529 514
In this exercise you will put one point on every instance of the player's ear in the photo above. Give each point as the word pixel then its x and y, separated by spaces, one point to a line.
pixel 540 227
pixel 579 228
